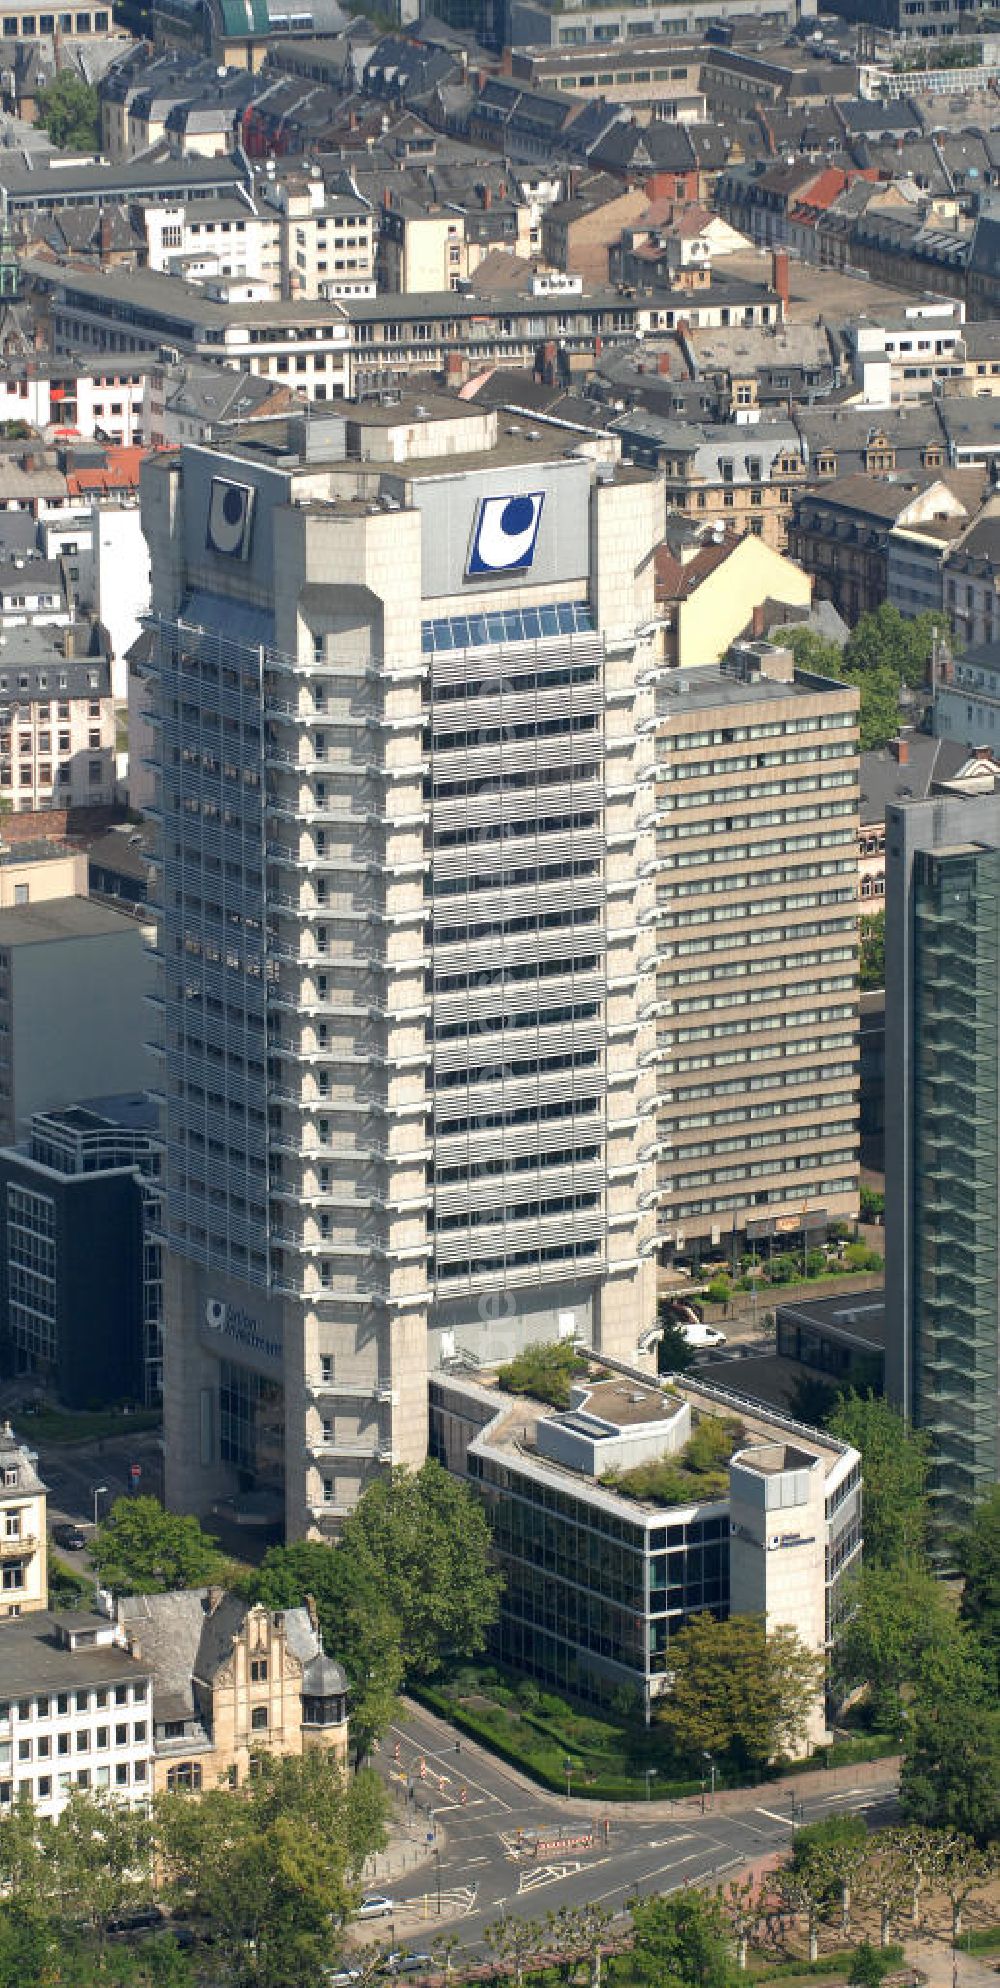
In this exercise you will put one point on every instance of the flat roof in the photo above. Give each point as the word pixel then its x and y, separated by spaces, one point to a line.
pixel 33 1658
pixel 707 686
pixel 859 1319
pixel 626 1403
pixel 61 918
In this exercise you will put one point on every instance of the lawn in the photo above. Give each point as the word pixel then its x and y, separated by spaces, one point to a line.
pixel 85 1425
pixel 539 1731
pixel 610 1750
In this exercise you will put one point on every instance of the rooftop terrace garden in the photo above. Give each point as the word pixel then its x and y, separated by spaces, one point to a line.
pixel 699 1470
pixel 546 1373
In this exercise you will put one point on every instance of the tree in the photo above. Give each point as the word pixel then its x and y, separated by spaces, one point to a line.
pixel 804 1893
pixel 964 1868
pixel 684 1938
pixel 903 1617
pixel 673 1353
pixel 872 935
pixel 833 1852
pixel 883 1881
pixel 950 1776
pixel 895 1462
pixel 745 1904
pixel 736 1689
pixel 868 1967
pixel 274 1867
pixel 579 1932
pixel 516 1943
pixel 979 1559
pixel 903 643
pixel 360 1632
pixel 418 1546
pixel 141 1549
pixel 102 1859
pixel 813 651
pixel 70 111
pixel 921 1851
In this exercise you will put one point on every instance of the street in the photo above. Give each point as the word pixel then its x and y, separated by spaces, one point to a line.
pixel 482 1874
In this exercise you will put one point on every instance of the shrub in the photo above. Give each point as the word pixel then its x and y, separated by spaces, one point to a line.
pixel 545 1372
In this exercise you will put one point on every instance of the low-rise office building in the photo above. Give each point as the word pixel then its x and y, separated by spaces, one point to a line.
pixel 597 1582
pixel 73 977
pixel 74 1713
pixel 81 1287
pixel 23 1544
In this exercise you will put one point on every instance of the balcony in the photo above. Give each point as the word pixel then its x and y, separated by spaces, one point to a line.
pixel 18 1548
pixel 353 1390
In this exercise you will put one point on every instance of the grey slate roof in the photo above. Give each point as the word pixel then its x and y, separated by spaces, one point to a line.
pixel 929 762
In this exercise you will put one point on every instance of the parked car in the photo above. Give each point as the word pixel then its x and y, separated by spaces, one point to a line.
pixel 375 1905
pixel 697 1333
pixel 138 1921
pixel 70 1537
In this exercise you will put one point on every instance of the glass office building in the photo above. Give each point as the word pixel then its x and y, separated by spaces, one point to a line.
pixel 956 1019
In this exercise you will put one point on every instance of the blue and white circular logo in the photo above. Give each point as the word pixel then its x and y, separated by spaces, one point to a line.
pixel 506 532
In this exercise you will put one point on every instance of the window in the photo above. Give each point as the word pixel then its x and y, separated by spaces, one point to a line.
pixel 258 1719
pixel 185 1778
pixel 258 1670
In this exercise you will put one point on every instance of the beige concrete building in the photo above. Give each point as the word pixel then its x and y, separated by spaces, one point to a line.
pixel 403 680
pixel 756 807
pixel 34 872
pixel 23 1540
pixel 231 1680
pixel 712 590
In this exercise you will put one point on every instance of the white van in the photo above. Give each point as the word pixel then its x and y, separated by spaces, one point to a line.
pixel 697 1333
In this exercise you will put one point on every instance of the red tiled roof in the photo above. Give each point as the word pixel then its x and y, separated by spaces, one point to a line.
pixel 674 580
pixel 119 471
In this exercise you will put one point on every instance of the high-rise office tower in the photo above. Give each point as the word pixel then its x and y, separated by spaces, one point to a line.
pixel 403 686
pixel 942 1136
pixel 757 930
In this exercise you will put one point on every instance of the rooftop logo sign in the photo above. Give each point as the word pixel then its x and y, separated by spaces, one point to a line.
pixel 505 533
pixel 230 518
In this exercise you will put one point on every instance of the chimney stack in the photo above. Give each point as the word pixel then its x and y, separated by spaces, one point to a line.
pixel 900 750
pixel 663 365
pixel 779 278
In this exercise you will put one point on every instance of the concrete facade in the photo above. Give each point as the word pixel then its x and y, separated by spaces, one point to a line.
pixel 755 934
pixel 73 981
pixel 428 1148
pixel 23 1536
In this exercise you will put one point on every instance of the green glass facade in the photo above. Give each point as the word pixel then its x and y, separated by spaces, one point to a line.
pixel 956 1170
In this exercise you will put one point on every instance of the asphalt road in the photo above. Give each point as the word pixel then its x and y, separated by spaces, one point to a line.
pixel 73 1472
pixel 482 1874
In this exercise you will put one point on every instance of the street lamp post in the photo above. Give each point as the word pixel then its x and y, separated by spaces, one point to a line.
pixel 100 1491
pixel 711 1766
pixel 650 1776
pixel 437 1868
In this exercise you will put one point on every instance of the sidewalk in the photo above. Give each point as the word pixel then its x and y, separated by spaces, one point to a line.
pixel 728 1801
pixel 941 1966
pixel 405 1851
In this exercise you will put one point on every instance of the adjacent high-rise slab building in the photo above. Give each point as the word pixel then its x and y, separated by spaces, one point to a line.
pixel 756 1002
pixel 942 1137
pixel 403 683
